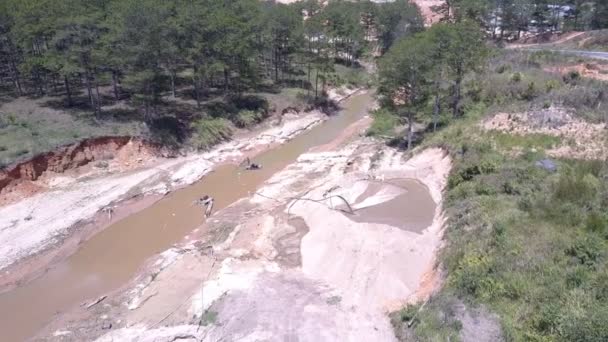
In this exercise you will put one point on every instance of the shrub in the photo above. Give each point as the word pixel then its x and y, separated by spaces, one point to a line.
pixel 516 77
pixel 530 93
pixel 550 85
pixel 575 187
pixel 210 132
pixel 473 275
pixel 597 223
pixel 502 68
pixel 20 152
pixel 250 102
pixel 587 251
pixel 572 77
pixel 589 325
pixel 384 123
pixel 247 118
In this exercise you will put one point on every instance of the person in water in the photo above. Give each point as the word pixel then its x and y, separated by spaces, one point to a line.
pixel 252 166
pixel 207 202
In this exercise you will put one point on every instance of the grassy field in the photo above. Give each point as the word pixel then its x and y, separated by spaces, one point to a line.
pixel 29 127
pixel 526 247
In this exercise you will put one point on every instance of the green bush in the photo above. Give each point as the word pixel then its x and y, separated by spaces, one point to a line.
pixel 516 77
pixel 551 85
pixel 247 118
pixel 597 223
pixel 473 275
pixel 572 77
pixel 576 187
pixel 530 93
pixel 209 132
pixel 587 251
pixel 384 123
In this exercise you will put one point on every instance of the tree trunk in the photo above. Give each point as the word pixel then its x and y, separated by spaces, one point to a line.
pixel 456 100
pixel 172 76
pixel 197 93
pixel 87 77
pixel 317 85
pixel 309 67
pixel 115 84
pixel 54 83
pixel 410 130
pixel 97 101
pixel 68 91
pixel 148 93
pixel 226 79
pixel 16 78
pixel 323 86
pixel 436 109
pixel 40 83
pixel 276 64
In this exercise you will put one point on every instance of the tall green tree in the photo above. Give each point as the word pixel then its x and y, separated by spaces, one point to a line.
pixel 138 33
pixel 10 54
pixel 405 84
pixel 600 15
pixel 74 48
pixel 465 52
pixel 282 35
pixel 396 20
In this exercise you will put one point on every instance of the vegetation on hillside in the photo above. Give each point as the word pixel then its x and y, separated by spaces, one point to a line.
pixel 526 245
pixel 160 67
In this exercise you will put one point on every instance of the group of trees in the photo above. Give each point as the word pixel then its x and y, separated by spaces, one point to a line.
pixel 145 49
pixel 510 18
pixel 429 67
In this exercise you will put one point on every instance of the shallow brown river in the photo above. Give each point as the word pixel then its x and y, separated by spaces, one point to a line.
pixel 113 256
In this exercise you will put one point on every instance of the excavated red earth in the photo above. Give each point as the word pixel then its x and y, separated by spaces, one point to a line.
pixel 17 180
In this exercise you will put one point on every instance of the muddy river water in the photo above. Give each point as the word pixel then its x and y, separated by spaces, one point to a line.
pixel 113 256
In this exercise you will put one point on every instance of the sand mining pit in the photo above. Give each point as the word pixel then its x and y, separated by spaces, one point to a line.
pixel 287 262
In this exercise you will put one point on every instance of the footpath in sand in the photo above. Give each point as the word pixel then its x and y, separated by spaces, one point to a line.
pixel 322 251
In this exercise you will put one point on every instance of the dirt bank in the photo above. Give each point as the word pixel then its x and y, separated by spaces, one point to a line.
pixel 290 261
pixel 18 181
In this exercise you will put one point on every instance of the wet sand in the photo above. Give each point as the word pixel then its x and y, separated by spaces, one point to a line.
pixel 412 210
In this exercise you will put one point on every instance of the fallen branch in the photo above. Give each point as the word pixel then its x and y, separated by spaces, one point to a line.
pixel 99 300
pixel 321 201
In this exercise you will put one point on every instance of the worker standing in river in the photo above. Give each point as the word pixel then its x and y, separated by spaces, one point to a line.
pixel 207 202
